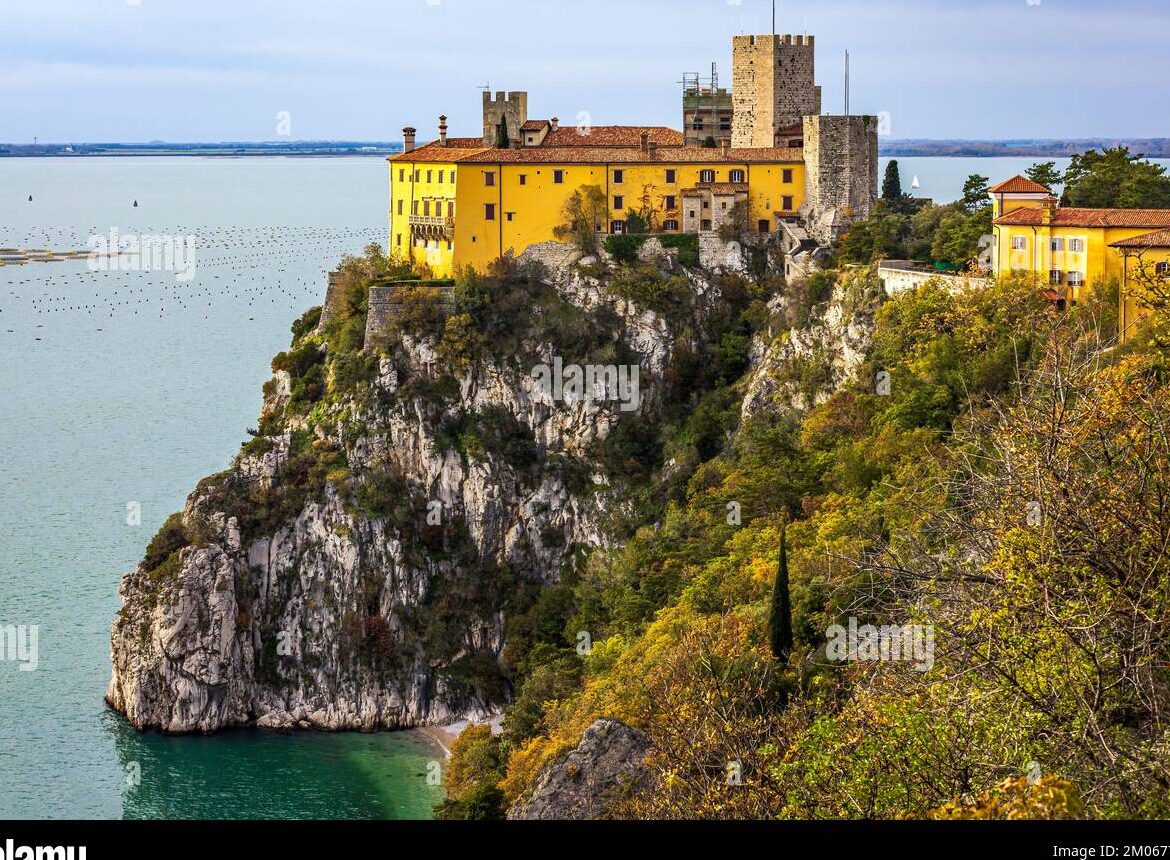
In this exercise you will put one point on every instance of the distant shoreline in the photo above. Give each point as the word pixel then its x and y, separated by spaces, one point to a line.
pixel 905 148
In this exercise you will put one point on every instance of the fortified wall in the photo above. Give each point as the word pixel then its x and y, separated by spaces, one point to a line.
pixel 841 173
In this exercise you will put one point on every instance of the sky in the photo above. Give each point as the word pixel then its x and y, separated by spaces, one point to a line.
pixel 74 71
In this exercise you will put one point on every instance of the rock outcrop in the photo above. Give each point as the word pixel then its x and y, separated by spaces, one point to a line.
pixel 319 611
pixel 608 765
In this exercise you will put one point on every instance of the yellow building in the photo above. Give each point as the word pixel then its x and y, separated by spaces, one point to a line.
pixel 456 202
pixel 1072 248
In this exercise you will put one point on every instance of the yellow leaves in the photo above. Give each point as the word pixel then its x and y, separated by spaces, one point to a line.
pixel 1018 799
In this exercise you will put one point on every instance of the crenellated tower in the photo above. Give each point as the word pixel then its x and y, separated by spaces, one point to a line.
pixel 773 89
pixel 503 117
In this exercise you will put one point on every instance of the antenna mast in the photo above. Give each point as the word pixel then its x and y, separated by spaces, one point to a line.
pixel 847 83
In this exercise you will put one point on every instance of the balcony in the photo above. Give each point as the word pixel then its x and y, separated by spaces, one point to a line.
pixel 432 226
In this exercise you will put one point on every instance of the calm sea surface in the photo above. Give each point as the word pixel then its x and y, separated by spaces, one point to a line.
pixel 122 389
pixel 118 392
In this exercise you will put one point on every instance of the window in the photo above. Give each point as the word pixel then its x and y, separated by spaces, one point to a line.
pixel 1056 277
pixel 427 207
pixel 1077 246
pixel 510 215
pixel 1057 244
pixel 1019 243
pixel 451 210
pixel 523 178
pixel 450 244
pixel 414 207
pixel 787 175
pixel 619 203
pixel 1076 279
pixel 671 177
pixel 691 214
pixel 442 173
pixel 671 202
pixel 430 174
pixel 489 212
pixel 489 178
pixel 706 204
pixel 787 202
pixel 618 228
pixel 706 224
pixel 1162 269
pixel 400 202
pixel 670 225
pixel 401 175
pixel 697 124
pixel 618 177
pixel 416 175
pixel 723 205
pixel 707 176
pixel 725 123
pixel 764 226
pixel 558 177
pixel 737 176
pixel 399 240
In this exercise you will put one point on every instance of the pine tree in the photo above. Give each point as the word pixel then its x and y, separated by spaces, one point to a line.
pixel 780 616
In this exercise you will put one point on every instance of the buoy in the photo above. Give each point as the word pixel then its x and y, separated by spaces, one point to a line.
pixel 135 204
pixel 30 198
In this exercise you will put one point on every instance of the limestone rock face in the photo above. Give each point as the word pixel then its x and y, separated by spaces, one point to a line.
pixel 335 616
pixel 608 763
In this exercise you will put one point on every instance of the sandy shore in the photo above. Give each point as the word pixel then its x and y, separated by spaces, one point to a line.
pixel 444 736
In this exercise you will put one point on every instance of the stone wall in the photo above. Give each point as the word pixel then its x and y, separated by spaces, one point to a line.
pixel 332 298
pixel 841 170
pixel 773 87
pixel 386 303
pixel 899 276
pixel 512 108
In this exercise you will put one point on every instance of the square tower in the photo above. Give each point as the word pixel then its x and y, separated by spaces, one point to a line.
pixel 502 118
pixel 773 87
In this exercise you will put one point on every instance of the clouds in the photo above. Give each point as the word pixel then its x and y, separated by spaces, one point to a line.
pixel 223 69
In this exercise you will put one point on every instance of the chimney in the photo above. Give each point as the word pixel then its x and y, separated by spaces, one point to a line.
pixel 408 134
pixel 1050 205
pixel 442 131
pixel 645 143
pixel 556 123
pixel 653 150
pixel 725 147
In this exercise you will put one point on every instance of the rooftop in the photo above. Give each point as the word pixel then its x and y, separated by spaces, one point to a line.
pixel 1073 217
pixel 1019 185
pixel 1157 239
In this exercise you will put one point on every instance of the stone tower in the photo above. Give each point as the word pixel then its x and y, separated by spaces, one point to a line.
pixel 506 110
pixel 773 88
pixel 841 173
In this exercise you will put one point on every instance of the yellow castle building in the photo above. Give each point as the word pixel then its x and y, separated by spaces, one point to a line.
pixel 1075 248
pixel 467 201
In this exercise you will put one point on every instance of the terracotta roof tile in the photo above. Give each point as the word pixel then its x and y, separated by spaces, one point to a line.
pixel 534 125
pixel 632 155
pixel 1031 216
pixel 1019 185
pixel 729 188
pixel 613 135
pixel 1157 239
pixel 456 148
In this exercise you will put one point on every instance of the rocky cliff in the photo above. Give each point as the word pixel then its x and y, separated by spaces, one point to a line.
pixel 357 568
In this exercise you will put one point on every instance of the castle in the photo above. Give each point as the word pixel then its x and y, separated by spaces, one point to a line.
pixel 784 168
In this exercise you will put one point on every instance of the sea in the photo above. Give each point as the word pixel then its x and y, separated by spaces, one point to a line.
pixel 119 391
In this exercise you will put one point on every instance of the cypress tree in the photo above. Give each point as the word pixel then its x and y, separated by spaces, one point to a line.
pixel 780 616
pixel 892 185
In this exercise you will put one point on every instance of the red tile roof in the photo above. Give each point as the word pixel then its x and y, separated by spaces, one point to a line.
pixel 631 155
pixel 534 125
pixel 1019 185
pixel 725 188
pixel 1031 216
pixel 456 149
pixel 1157 239
pixel 613 135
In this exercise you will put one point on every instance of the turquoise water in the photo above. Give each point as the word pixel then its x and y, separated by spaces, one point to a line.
pixel 123 389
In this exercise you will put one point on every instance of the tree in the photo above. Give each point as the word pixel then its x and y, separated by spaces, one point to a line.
pixel 1045 174
pixel 1114 179
pixel 975 191
pixel 780 615
pixel 502 139
pixel 585 209
pixel 892 184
